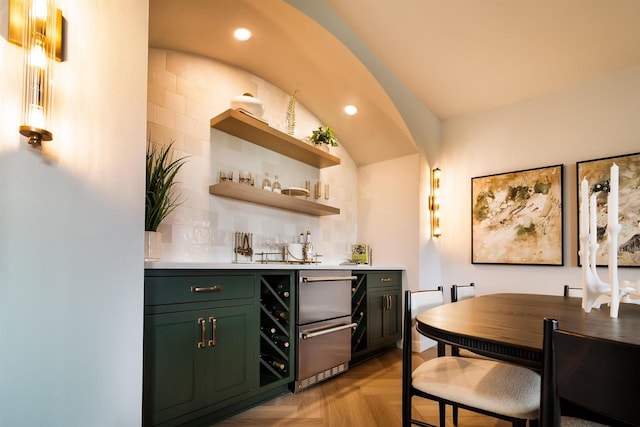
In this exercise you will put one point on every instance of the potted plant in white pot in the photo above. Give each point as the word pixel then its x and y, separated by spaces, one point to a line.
pixel 161 198
pixel 323 138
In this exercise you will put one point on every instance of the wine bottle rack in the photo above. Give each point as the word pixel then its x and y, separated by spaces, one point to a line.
pixel 359 313
pixel 277 338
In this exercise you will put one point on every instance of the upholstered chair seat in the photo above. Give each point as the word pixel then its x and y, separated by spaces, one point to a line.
pixel 577 422
pixel 489 385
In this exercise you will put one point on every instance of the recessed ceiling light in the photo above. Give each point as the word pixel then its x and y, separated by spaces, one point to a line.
pixel 242 34
pixel 351 110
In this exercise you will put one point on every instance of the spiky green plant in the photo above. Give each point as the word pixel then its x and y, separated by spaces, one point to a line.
pixel 161 198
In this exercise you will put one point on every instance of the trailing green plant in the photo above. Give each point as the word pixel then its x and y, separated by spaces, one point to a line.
pixel 161 198
pixel 324 136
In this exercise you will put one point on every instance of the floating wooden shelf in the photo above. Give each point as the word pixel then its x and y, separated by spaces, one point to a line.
pixel 257 132
pixel 247 193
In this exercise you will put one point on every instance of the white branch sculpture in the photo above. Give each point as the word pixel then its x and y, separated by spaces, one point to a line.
pixel 594 291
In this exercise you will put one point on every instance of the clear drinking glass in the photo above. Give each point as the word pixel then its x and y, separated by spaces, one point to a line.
pixel 244 177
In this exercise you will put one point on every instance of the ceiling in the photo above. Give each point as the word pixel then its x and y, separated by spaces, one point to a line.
pixel 455 57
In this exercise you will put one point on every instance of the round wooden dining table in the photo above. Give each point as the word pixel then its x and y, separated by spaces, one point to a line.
pixel 509 326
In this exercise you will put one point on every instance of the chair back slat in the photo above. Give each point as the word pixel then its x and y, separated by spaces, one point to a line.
pixel 462 292
pixel 595 374
pixel 424 300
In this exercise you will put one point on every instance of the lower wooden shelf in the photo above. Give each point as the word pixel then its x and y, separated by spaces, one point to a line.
pixel 251 194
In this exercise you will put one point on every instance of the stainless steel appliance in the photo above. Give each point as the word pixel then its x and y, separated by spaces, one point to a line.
pixel 323 325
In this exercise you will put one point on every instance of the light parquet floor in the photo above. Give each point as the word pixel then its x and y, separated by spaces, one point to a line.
pixel 367 395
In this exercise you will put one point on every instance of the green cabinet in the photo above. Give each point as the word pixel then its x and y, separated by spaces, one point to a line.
pixel 200 344
pixel 377 308
pixel 384 317
pixel 194 359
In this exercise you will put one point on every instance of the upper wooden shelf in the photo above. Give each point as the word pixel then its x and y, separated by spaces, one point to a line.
pixel 253 130
pixel 251 194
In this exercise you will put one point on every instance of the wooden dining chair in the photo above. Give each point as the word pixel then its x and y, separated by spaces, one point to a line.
pixel 488 387
pixel 593 379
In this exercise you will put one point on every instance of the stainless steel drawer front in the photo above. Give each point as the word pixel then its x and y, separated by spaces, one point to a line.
pixel 323 300
pixel 321 351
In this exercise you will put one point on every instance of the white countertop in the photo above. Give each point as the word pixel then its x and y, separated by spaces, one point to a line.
pixel 257 266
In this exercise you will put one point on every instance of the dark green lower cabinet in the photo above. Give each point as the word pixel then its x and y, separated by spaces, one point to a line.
pixel 377 309
pixel 203 343
pixel 195 359
pixel 384 317
pixel 218 342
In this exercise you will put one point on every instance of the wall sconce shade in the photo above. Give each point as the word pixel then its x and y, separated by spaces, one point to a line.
pixel 40 28
pixel 16 26
pixel 434 203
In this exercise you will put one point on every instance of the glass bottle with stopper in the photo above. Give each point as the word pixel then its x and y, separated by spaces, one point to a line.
pixel 276 187
pixel 266 182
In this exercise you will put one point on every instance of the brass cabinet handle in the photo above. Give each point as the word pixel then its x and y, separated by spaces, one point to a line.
pixel 385 302
pixel 386 279
pixel 214 330
pixel 203 326
pixel 216 288
pixel 388 302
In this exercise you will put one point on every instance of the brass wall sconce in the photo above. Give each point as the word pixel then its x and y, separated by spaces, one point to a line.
pixel 434 203
pixel 36 25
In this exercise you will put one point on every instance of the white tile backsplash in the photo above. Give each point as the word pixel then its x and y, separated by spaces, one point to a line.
pixel 185 92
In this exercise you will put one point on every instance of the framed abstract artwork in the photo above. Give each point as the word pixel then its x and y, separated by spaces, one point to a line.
pixel 517 217
pixel 597 174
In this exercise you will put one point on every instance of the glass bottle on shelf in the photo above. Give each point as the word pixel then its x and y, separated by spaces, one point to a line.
pixel 266 182
pixel 276 187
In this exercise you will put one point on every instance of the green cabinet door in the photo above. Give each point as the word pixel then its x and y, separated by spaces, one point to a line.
pixel 232 360
pixel 174 366
pixel 392 318
pixel 383 312
pixel 197 358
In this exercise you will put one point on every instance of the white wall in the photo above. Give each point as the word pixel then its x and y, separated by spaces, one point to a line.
pixel 393 218
pixel 388 213
pixel 185 92
pixel 71 227
pixel 594 120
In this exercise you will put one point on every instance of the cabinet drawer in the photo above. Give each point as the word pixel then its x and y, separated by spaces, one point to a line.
pixel 185 289
pixel 384 279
